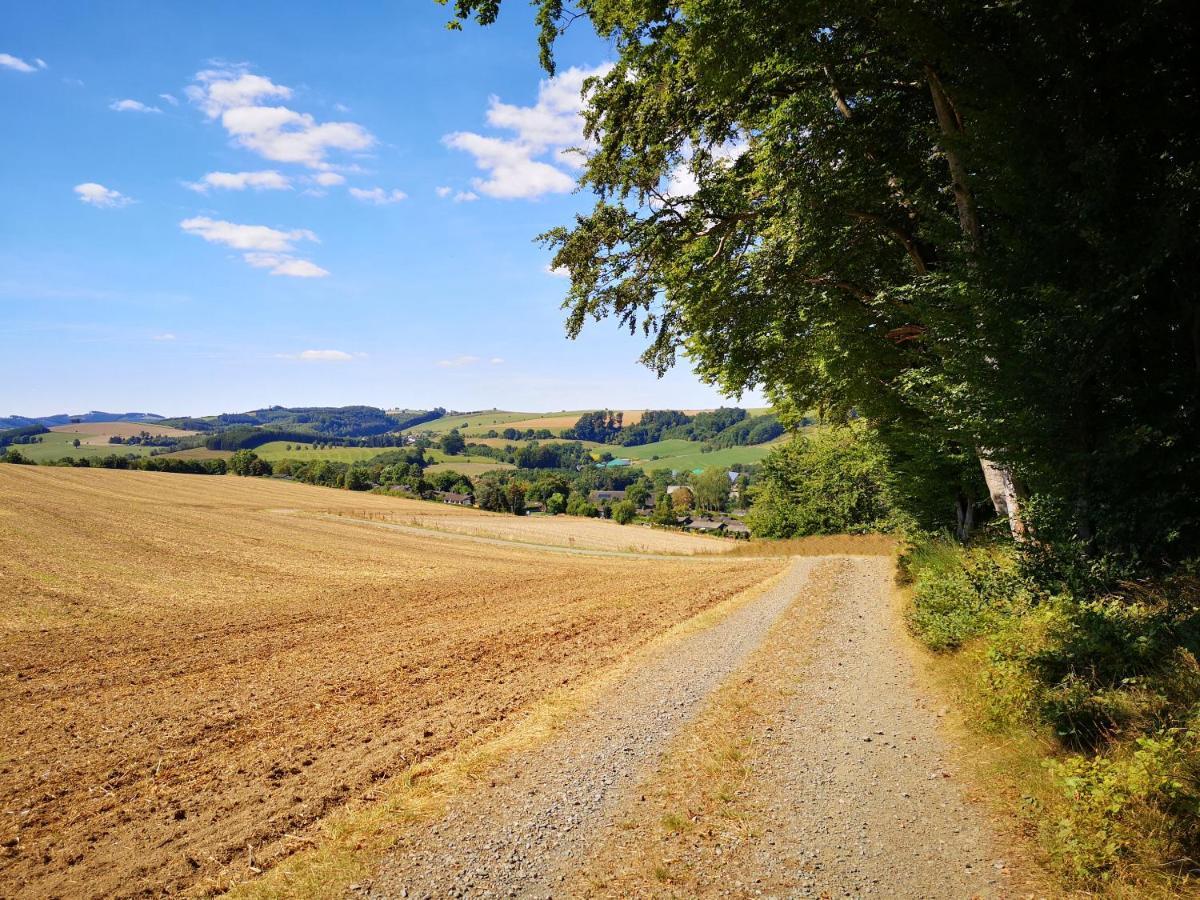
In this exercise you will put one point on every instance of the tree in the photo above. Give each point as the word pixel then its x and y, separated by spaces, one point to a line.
pixel 683 499
pixel 712 489
pixel 247 463
pixel 664 511
pixel 556 504
pixel 969 223
pixel 356 479
pixel 624 511
pixel 75 443
pixel 831 482
pixel 453 443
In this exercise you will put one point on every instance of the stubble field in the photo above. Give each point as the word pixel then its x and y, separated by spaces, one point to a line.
pixel 195 670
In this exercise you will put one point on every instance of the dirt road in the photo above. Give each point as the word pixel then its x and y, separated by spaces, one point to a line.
pixel 789 750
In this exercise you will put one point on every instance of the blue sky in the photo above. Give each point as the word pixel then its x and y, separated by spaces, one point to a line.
pixel 211 207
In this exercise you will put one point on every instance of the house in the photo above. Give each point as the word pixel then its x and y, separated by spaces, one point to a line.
pixel 454 499
pixel 672 488
pixel 705 526
pixel 598 497
pixel 735 527
pixel 535 507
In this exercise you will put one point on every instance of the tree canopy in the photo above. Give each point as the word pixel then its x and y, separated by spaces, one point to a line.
pixel 971 223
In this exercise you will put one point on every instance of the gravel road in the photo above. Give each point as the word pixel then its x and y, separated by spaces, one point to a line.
pixel 549 805
pixel 852 782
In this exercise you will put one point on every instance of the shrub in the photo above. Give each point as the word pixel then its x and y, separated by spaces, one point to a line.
pixel 832 482
pixel 624 511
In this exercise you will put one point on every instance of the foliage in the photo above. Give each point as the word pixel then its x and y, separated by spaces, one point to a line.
pixel 14 435
pixel 1111 677
pixel 964 221
pixel 246 462
pixel 712 489
pixel 601 426
pixel 834 481
pixel 624 511
pixel 15 457
pixel 578 505
pixel 452 443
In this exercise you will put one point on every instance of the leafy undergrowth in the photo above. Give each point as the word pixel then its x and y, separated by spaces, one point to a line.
pixel 1094 695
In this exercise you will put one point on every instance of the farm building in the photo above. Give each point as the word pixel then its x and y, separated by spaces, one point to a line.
pixel 454 499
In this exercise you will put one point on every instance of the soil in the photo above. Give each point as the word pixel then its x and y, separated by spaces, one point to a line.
pixel 192 676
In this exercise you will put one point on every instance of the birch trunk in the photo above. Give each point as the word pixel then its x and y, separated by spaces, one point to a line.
pixel 1006 495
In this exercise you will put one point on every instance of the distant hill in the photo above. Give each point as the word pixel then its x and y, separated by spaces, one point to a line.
pixel 67 419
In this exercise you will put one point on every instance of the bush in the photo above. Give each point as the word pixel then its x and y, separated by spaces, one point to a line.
pixel 624 512
pixel 958 594
pixel 1110 679
pixel 833 482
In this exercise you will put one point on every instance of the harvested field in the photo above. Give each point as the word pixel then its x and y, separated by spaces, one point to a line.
pixel 549 531
pixel 194 670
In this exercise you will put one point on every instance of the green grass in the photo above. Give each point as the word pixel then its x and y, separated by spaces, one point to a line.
pixel 57 444
pixel 687 455
pixel 277 450
pixel 470 469
pixel 479 421
pixel 436 457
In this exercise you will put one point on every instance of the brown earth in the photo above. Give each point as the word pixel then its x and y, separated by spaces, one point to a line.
pixel 194 670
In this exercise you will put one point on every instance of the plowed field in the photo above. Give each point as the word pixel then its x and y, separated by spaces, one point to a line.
pixel 195 669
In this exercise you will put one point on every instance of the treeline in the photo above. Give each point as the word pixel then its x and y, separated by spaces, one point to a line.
pixel 140 464
pixel 21 434
pixel 724 427
pixel 310 422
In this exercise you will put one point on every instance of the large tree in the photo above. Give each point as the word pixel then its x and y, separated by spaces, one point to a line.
pixel 974 223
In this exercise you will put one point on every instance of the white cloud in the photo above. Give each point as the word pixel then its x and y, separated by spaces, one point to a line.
pixel 132 106
pixel 216 90
pixel 245 237
pixel 274 132
pixel 497 360
pixel 40 63
pixel 444 191
pixel 547 129
pixel 170 98
pixel 262 247
pixel 457 362
pixel 267 180
pixel 328 179
pixel 378 195
pixel 324 356
pixel 513 172
pixel 17 64
pixel 165 336
pixel 559 272
pixel 98 195
pixel 299 268
pixel 466 197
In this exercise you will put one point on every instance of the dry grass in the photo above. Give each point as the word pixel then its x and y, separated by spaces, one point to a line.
pixel 575 532
pixel 820 545
pixel 189 668
pixel 121 429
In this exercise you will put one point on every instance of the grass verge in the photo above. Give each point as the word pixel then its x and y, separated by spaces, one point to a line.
pixel 1084 708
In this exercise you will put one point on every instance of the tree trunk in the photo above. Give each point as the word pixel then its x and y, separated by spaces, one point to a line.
pixel 964 509
pixel 1007 494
